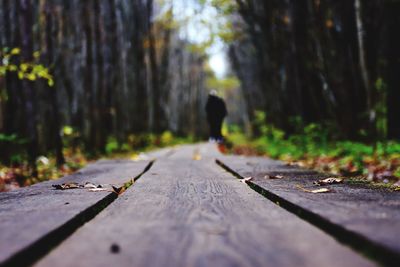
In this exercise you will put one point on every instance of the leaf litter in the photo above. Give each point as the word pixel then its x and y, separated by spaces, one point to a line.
pixel 246 179
pixel 91 187
pixel 329 181
pixel 396 186
pixel 314 191
pixel 273 176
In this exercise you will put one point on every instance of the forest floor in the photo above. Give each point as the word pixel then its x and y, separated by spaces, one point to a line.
pixel 376 166
pixel 192 205
pixel 18 174
pixel 358 163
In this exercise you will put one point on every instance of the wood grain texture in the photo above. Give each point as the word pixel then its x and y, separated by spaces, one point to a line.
pixel 29 214
pixel 371 213
pixel 186 212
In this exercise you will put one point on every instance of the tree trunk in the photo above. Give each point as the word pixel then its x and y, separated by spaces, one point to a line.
pixel 393 68
pixel 26 22
pixel 56 118
pixel 101 109
pixel 364 69
pixel 89 117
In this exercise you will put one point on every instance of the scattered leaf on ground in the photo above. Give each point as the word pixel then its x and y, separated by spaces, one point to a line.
pixel 314 191
pixel 66 186
pixel 196 155
pixel 246 179
pixel 273 176
pixel 89 185
pixel 99 189
pixel 396 186
pixel 118 190
pixel 327 181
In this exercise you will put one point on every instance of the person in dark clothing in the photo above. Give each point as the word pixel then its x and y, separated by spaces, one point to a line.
pixel 216 112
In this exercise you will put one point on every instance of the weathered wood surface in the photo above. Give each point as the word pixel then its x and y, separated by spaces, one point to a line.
pixel 372 214
pixel 187 211
pixel 35 217
pixel 160 153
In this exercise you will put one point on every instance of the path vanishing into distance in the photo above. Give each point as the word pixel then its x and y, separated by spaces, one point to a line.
pixel 193 206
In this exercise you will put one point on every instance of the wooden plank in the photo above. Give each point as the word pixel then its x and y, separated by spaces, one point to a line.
pixel 160 153
pixel 200 151
pixel 34 218
pixel 368 218
pixel 187 211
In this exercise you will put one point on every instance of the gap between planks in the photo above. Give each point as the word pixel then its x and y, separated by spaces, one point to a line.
pixel 38 249
pixel 357 242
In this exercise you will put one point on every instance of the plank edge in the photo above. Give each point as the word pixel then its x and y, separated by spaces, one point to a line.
pixel 358 242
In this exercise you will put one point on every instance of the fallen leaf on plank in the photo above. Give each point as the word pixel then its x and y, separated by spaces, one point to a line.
pixel 58 186
pixel 321 190
pixel 89 185
pixel 99 189
pixel 329 181
pixel 196 156
pixel 314 191
pixel 118 190
pixel 66 186
pixel 396 186
pixel 247 179
pixel 273 176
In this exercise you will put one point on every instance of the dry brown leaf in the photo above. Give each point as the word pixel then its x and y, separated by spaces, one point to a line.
pixel 396 186
pixel 197 157
pixel 89 185
pixel 99 189
pixel 314 191
pixel 66 186
pixel 321 190
pixel 246 179
pixel 118 190
pixel 327 181
pixel 292 164
pixel 273 176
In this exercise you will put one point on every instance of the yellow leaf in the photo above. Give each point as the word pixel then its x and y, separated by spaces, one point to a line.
pixel 67 130
pixel 12 68
pixel 197 157
pixel 50 82
pixel 134 157
pixel 31 77
pixel 20 75
pixel 314 191
pixel 23 66
pixel 36 54
pixel 329 181
pixel 322 190
pixel 15 51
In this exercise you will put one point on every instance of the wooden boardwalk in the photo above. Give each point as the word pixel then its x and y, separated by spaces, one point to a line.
pixel 188 208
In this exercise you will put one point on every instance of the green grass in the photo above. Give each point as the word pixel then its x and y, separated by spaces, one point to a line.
pixel 15 173
pixel 314 148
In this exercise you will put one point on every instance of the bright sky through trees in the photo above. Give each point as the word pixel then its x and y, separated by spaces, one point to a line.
pixel 199 23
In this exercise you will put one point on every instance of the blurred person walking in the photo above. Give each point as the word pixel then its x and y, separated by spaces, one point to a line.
pixel 216 112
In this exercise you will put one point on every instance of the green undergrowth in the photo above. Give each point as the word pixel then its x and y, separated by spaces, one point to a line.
pixel 314 148
pixel 143 142
pixel 15 171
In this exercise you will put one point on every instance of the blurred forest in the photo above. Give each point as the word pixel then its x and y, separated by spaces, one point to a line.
pixel 84 73
pixel 334 63
pixel 104 68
